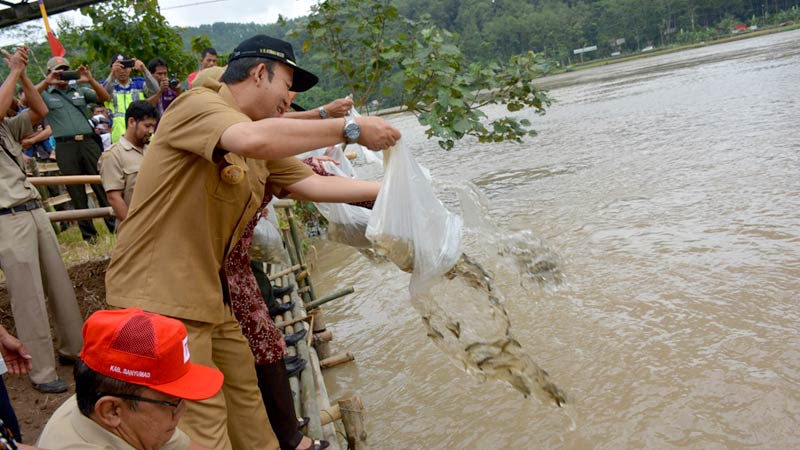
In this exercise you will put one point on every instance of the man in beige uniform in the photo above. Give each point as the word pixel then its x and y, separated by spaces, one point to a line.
pixel 29 252
pixel 119 165
pixel 201 181
pixel 132 384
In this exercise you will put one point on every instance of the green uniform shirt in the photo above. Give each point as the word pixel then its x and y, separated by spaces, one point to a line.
pixel 68 110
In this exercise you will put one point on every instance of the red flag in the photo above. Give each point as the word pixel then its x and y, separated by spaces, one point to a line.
pixel 55 47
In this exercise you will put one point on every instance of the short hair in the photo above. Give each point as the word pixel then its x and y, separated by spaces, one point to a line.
pixel 140 110
pixel 88 383
pixel 156 63
pixel 206 51
pixel 239 69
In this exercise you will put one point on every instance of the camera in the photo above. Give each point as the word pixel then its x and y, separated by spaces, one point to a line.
pixel 100 123
pixel 174 82
pixel 128 63
pixel 98 120
pixel 68 75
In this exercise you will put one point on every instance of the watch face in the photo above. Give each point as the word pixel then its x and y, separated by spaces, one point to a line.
pixel 352 131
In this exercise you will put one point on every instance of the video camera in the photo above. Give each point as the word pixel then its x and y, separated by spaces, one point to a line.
pixel 174 82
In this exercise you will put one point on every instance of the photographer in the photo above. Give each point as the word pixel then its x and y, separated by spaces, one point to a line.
pixel 170 88
pixel 125 90
pixel 67 94
pixel 101 123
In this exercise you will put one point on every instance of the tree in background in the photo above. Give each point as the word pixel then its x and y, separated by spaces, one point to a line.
pixel 131 27
pixel 378 51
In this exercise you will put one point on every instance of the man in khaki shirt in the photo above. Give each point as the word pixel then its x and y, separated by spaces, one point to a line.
pixel 29 253
pixel 119 165
pixel 201 181
pixel 132 384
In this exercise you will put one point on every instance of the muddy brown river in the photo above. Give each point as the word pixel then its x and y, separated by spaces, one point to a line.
pixel 668 189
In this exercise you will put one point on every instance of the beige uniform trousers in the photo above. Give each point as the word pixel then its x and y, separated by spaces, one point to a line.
pixel 31 260
pixel 235 418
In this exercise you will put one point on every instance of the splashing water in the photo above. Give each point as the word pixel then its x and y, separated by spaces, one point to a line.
pixel 463 311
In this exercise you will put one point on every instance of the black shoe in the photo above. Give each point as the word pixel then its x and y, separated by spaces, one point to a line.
pixel 295 338
pixel 302 422
pixel 65 360
pixel 295 368
pixel 56 386
pixel 318 444
pixel 280 309
pixel 279 292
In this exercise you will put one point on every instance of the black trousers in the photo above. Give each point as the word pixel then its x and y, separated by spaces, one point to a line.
pixel 263 284
pixel 10 418
pixel 80 158
pixel 273 381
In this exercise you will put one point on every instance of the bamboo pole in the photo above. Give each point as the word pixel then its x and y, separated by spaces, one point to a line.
pixel 298 247
pixel 80 214
pixel 322 337
pixel 336 360
pixel 283 203
pixel 352 410
pixel 284 272
pixel 292 255
pixel 65 180
pixel 330 414
pixel 323 402
pixel 330 298
pixel 308 393
pixel 323 347
pixel 287 323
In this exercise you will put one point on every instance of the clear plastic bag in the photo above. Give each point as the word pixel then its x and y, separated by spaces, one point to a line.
pixel 267 243
pixel 410 226
pixel 346 223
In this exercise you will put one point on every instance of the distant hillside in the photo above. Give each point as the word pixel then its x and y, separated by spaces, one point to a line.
pixel 225 36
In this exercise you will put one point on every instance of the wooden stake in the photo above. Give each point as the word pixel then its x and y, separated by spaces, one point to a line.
pixel 322 337
pixel 336 360
pixel 352 411
pixel 330 414
pixel 323 348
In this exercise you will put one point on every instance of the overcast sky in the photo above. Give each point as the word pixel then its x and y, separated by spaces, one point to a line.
pixel 210 11
pixel 186 13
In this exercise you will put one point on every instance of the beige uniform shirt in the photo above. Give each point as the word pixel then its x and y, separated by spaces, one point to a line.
pixel 185 217
pixel 119 166
pixel 15 189
pixel 68 429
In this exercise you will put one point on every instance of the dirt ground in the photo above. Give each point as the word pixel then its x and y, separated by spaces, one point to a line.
pixel 33 408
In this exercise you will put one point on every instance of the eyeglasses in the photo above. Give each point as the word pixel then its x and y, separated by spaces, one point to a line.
pixel 173 405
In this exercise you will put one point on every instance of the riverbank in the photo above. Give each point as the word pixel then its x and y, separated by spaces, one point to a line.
pixel 543 82
pixel 673 49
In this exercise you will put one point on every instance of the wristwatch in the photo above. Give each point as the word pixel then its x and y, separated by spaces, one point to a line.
pixel 351 130
pixel 322 113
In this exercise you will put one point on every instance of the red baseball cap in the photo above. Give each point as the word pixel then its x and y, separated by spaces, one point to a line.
pixel 146 349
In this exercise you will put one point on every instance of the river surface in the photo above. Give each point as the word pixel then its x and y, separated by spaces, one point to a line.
pixel 669 188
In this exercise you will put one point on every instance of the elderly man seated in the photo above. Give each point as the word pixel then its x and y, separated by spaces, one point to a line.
pixel 132 382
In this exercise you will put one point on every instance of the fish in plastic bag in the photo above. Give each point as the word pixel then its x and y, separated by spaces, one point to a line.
pixel 410 226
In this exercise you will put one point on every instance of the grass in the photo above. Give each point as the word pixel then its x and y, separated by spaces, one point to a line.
pixel 74 250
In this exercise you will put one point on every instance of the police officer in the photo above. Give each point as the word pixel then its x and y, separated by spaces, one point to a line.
pixel 77 147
